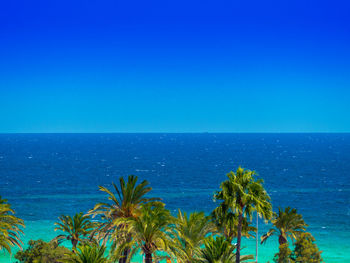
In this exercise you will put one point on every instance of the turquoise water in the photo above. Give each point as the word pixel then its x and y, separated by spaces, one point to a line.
pixel 44 176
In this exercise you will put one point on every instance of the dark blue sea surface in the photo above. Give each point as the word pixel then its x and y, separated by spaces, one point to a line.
pixel 46 175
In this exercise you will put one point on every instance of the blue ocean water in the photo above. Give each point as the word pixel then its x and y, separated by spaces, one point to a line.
pixel 46 175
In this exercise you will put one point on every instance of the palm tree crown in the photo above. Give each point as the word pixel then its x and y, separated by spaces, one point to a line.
pixel 76 228
pixel 10 227
pixel 241 193
pixel 91 253
pixel 219 250
pixel 288 223
pixel 189 234
pixel 227 223
pixel 150 230
pixel 125 204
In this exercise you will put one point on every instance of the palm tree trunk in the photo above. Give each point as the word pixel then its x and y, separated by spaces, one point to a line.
pixel 74 244
pixel 125 255
pixel 257 235
pixel 239 237
pixel 148 258
pixel 126 251
pixel 282 240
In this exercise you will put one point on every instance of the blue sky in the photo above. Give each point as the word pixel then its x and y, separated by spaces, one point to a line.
pixel 175 66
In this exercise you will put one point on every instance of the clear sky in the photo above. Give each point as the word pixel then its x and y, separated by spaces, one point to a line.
pixel 175 66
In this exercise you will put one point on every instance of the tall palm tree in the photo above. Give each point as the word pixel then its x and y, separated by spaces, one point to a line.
pixel 75 228
pixel 189 234
pixel 219 250
pixel 242 194
pixel 88 253
pixel 150 230
pixel 10 227
pixel 288 224
pixel 227 223
pixel 125 204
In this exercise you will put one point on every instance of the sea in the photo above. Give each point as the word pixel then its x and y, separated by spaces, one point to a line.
pixel 46 175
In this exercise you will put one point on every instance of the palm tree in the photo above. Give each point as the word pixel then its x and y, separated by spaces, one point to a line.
pixel 219 250
pixel 88 253
pixel 243 194
pixel 288 224
pixel 227 223
pixel 10 227
pixel 76 228
pixel 189 234
pixel 150 230
pixel 125 204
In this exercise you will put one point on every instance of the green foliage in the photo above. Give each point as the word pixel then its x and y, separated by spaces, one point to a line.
pixel 150 230
pixel 288 224
pixel 189 234
pixel 219 250
pixel 242 194
pixel 43 252
pixel 10 227
pixel 132 223
pixel 306 250
pixel 88 253
pixel 227 223
pixel 75 228
pixel 284 254
pixel 125 203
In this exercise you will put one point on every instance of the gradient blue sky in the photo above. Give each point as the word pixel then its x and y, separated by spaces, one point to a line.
pixel 175 66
